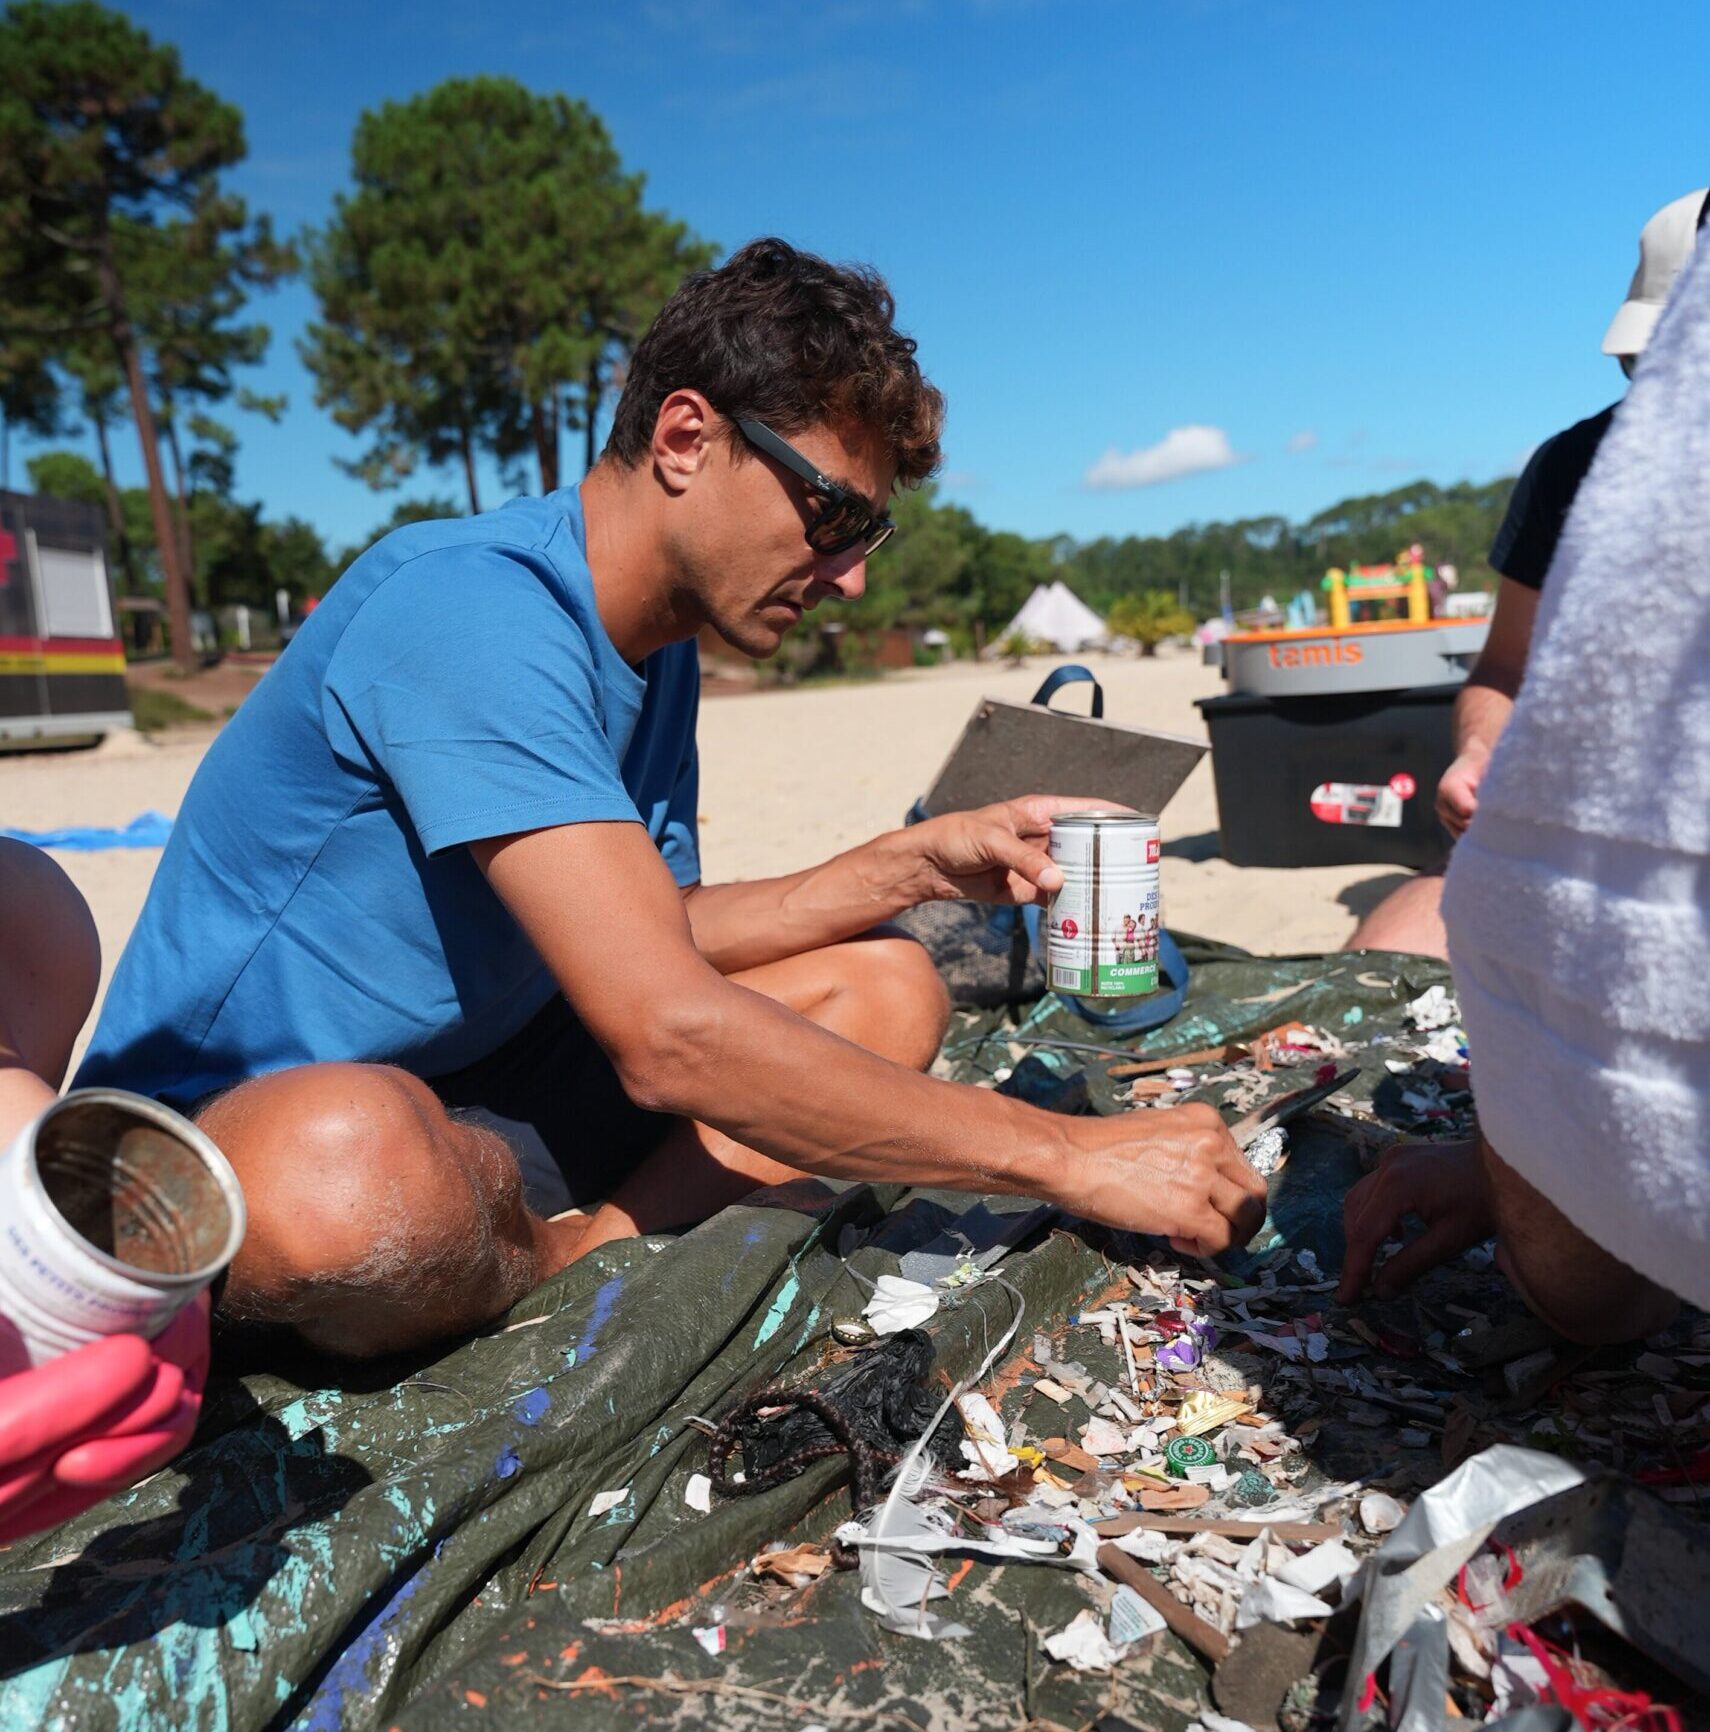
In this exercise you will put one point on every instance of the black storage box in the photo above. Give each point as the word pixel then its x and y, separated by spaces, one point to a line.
pixel 1287 769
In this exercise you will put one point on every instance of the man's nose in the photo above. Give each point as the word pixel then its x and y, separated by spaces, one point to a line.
pixel 846 573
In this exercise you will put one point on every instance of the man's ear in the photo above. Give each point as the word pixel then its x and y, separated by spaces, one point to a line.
pixel 683 433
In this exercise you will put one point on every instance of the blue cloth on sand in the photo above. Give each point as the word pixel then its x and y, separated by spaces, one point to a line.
pixel 316 900
pixel 150 830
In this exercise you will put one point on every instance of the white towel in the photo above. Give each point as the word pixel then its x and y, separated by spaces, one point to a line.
pixel 1578 903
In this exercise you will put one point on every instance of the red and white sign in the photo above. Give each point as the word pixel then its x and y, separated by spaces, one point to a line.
pixel 1403 786
pixel 1154 849
pixel 1370 803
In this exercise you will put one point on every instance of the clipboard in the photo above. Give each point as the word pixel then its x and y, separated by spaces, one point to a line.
pixel 1009 749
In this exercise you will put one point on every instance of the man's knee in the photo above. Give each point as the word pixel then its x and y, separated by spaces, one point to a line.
pixel 1566 1278
pixel 902 980
pixel 1409 918
pixel 50 957
pixel 376 1222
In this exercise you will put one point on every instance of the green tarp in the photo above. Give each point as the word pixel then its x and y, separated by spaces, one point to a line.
pixel 415 1548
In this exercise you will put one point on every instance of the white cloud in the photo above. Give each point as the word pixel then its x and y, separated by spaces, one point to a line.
pixel 1181 451
pixel 1304 440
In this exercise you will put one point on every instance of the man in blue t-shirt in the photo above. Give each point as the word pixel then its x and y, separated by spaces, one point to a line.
pixel 429 954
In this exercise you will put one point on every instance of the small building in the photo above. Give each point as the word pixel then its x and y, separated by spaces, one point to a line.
pixel 62 666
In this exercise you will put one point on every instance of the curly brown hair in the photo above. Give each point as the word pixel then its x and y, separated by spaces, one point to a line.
pixel 783 337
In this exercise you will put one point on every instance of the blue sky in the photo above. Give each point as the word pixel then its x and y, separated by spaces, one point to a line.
pixel 1325 246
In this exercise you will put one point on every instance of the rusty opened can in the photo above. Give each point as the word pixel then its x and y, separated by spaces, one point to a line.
pixel 114 1214
pixel 1103 922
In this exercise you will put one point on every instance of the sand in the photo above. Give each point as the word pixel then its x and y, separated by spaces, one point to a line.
pixel 787 778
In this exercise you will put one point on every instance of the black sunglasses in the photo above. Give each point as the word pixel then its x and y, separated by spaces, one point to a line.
pixel 846 520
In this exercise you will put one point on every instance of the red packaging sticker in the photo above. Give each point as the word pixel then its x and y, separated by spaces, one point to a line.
pixel 1153 850
pixel 1403 786
pixel 1371 803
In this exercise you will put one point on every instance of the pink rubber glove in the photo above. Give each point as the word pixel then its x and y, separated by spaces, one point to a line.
pixel 97 1419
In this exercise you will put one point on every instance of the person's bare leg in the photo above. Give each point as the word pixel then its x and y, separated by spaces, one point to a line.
pixel 50 960
pixel 1566 1279
pixel 881 992
pixel 377 1220
pixel 1409 918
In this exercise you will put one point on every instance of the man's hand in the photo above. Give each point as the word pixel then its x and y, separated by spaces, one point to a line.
pixel 1457 792
pixel 1444 1185
pixel 1175 1171
pixel 995 853
pixel 98 1419
pixel 1486 702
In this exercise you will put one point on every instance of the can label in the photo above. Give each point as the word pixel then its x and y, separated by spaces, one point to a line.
pixel 1104 920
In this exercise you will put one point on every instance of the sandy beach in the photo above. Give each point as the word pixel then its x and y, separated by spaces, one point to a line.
pixel 787 778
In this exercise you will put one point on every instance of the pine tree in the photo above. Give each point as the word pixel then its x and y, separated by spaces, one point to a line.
pixel 110 161
pixel 477 286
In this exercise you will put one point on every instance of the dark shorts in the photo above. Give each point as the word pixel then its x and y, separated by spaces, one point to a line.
pixel 552 1094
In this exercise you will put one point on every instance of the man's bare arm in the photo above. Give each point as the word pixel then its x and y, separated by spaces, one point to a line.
pixel 685 1040
pixel 995 854
pixel 1486 702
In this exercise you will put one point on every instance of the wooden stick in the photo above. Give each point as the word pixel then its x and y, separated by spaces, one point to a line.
pixel 1206 1641
pixel 1155 1066
pixel 1306 1532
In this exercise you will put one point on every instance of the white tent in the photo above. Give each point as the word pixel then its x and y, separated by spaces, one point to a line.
pixel 1054 614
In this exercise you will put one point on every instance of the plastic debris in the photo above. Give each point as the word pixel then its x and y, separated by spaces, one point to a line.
pixel 604 1502
pixel 1065 1542
pixel 1101 1437
pixel 1175 1497
pixel 1274 1601
pixel 1326 1565
pixel 1131 1619
pixel 1181 1354
pixel 898 1304
pixel 697 1494
pixel 882 1397
pixel 1380 1513
pixel 1267 1149
pixel 987 1456
pixel 1252 1490
pixel 1083 1644
pixel 794 1565
pixel 1444 1529
pixel 1202 1411
pixel 1433 1008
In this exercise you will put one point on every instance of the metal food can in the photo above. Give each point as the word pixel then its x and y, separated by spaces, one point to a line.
pixel 115 1213
pixel 1104 920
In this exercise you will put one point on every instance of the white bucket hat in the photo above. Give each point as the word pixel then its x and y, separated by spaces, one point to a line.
pixel 1665 244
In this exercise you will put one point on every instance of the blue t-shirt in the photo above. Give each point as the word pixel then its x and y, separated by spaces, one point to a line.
pixel 315 900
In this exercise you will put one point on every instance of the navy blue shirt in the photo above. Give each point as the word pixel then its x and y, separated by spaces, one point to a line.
pixel 316 900
pixel 1542 498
